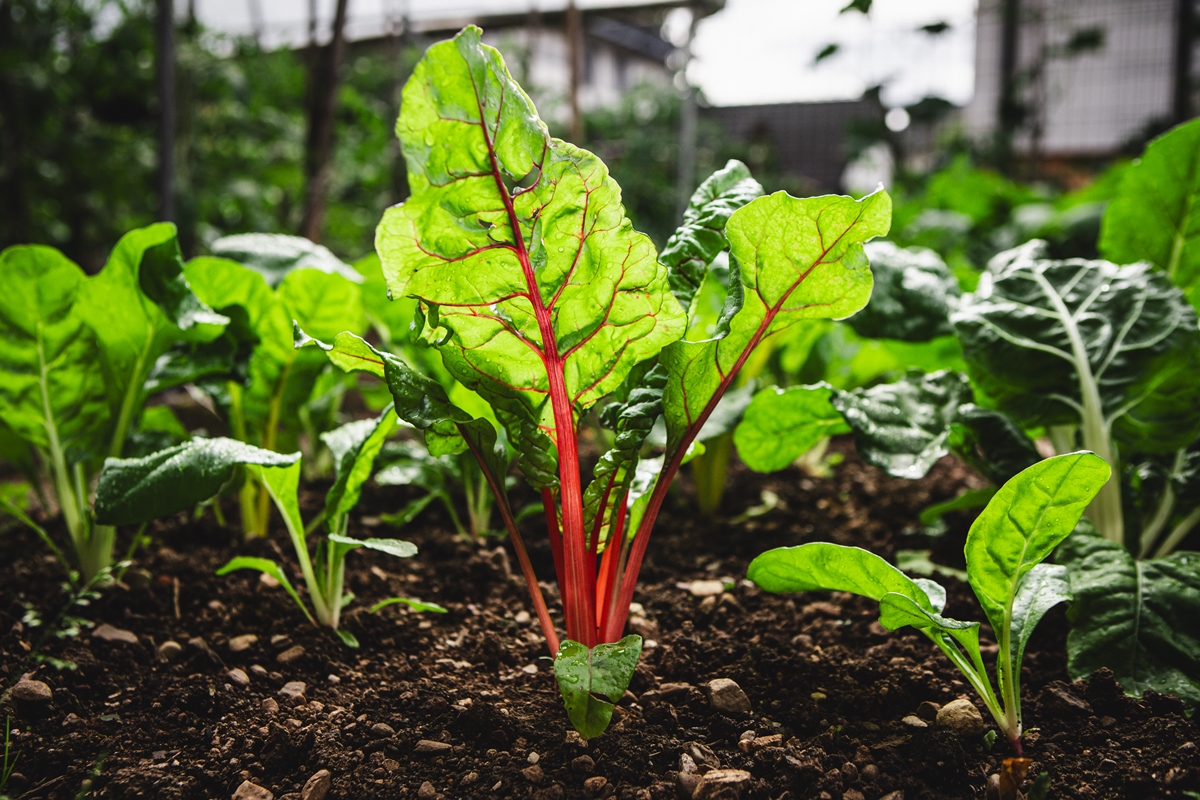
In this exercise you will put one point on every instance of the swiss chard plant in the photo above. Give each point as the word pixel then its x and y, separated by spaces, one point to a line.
pixel 281 393
pixel 1006 547
pixel 82 354
pixel 540 297
pixel 135 491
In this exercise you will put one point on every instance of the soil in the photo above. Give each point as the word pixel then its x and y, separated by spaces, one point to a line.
pixel 463 704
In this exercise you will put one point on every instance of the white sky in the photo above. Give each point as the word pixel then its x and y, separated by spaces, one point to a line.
pixel 754 51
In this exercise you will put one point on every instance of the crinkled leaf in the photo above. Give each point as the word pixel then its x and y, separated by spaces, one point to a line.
pixel 791 260
pixel 140 305
pixel 51 383
pixel 267 567
pixel 912 298
pixel 991 442
pixel 1042 588
pixel 1029 516
pixel 701 237
pixel 904 427
pixel 518 246
pixel 136 490
pixel 275 256
pixel 1035 330
pixel 354 447
pixel 1155 215
pixel 780 425
pixel 824 567
pixel 588 675
pixel 1137 618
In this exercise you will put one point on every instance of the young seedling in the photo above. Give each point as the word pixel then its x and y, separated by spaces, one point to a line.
pixel 1029 516
pixel 132 491
pixel 542 298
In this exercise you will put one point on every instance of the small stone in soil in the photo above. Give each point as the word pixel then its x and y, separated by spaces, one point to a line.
pixel 852 794
pixel 727 697
pixel 427 792
pixel 279 640
pixel 869 773
pixel 108 633
pixel 252 791
pixel 928 710
pixel 533 757
pixel 28 690
pixel 430 747
pixel 522 618
pixel 913 721
pixel 1106 766
pixel 594 785
pixel 270 706
pixel 290 655
pixel 238 676
pixel 774 740
pixel 703 588
pixel 381 730
pixel 317 786
pixel 259 670
pixel 726 784
pixel 533 774
pixel 1059 698
pixel 244 642
pixel 583 765
pixel 334 679
pixel 293 689
pixel 896 795
pixel 962 717
pixel 169 649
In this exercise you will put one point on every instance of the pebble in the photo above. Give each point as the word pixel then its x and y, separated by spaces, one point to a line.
pixel 962 717
pixel 239 676
pixel 913 721
pixel 725 784
pixel 594 786
pixel 430 747
pixel 746 741
pixel 1106 766
pixel 270 706
pixel 869 773
pixel 252 791
pixel 703 588
pixel 244 642
pixel 291 654
pixel 533 757
pixel 381 730
pixel 268 581
pixel 1058 697
pixel 774 740
pixel 583 765
pixel 726 696
pixel 427 792
pixel 293 689
pixel 110 634
pixel 928 710
pixel 533 774
pixel 317 786
pixel 850 772
pixel 896 795
pixel 169 649
pixel 28 690
pixel 198 643
pixel 853 794
pixel 334 679
pixel 259 670
pixel 522 618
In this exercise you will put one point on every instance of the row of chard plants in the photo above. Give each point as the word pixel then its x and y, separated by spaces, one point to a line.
pixel 513 313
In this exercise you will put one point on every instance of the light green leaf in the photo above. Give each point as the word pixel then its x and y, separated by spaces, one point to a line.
pixel 348 638
pixel 1041 589
pixel 780 425
pixel 415 605
pixel 913 295
pixel 824 567
pixel 267 567
pixel 904 427
pixel 1029 516
pixel 586 675
pixel 692 247
pixel 283 484
pixel 1155 216
pixel 790 260
pixel 410 511
pixel 275 256
pixel 132 491
pixel 354 446
pixel 1137 618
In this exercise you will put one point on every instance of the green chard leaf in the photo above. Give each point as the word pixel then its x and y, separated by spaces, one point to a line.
pixel 790 260
pixel 275 256
pixel 904 428
pixel 692 248
pixel 992 443
pixel 1028 517
pixel 913 295
pixel 52 392
pixel 587 675
pixel 516 244
pixel 132 491
pixel 780 425
pixel 1155 215
pixel 824 567
pixel 354 446
pixel 1137 618
pixel 1042 588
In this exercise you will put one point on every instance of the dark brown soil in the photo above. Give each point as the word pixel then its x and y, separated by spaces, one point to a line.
pixel 818 669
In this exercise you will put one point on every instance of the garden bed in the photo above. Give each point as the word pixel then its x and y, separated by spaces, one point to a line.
pixel 464 705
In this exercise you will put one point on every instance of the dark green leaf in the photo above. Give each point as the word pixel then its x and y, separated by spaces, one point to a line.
pixel 780 425
pixel 136 490
pixel 991 442
pixel 912 298
pixel 587 675
pixel 1137 618
pixel 904 427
